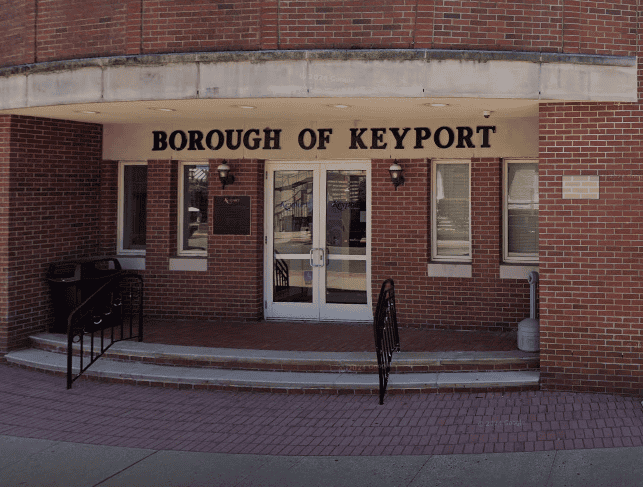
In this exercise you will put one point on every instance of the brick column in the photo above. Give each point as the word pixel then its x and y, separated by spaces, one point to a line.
pixel 5 150
pixel 591 294
pixel 399 240
pixel 235 262
pixel 108 206
pixel 161 215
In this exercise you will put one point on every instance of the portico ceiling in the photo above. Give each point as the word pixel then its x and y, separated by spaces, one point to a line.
pixel 285 109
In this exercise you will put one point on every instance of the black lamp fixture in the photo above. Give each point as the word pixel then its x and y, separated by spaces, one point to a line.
pixel 396 174
pixel 224 174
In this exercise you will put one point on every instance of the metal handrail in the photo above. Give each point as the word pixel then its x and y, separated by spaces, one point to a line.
pixel 282 279
pixel 387 339
pixel 102 310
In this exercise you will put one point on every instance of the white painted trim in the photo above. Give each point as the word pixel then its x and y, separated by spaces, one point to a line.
pixel 449 270
pixel 516 271
pixel 120 208
pixel 188 264
pixel 132 263
pixel 434 228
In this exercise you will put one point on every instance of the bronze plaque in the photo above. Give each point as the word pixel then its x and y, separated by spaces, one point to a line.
pixel 231 215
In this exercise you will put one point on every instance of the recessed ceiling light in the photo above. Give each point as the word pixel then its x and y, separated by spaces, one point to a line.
pixel 247 107
pixel 163 109
pixel 341 106
pixel 87 111
pixel 437 104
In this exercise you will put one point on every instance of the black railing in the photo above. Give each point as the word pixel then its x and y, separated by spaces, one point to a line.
pixel 387 339
pixel 281 277
pixel 112 313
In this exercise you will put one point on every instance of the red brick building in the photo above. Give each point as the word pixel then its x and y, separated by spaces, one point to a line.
pixel 517 126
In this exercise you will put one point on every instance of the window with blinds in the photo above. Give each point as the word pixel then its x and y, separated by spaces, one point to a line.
pixel 520 216
pixel 451 211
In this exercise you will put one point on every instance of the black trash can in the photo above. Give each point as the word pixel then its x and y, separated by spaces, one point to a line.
pixel 73 281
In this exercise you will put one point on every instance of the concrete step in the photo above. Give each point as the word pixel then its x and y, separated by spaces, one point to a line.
pixel 270 381
pixel 292 361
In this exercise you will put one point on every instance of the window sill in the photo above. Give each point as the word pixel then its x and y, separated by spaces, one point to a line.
pixel 516 271
pixel 195 264
pixel 132 262
pixel 449 270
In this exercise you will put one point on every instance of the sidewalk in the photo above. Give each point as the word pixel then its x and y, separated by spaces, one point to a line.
pixel 25 461
pixel 126 435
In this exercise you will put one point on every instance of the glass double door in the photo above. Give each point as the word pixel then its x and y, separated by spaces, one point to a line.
pixel 318 241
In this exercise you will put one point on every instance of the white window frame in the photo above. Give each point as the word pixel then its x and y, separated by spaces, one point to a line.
pixel 121 208
pixel 180 206
pixel 434 227
pixel 514 258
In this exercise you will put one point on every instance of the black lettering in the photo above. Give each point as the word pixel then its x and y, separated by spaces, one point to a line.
pixel 356 139
pixel 228 139
pixel 436 137
pixel 196 139
pixel 399 138
pixel 421 134
pixel 464 135
pixel 208 139
pixel 324 137
pixel 184 140
pixel 378 138
pixel 485 133
pixel 255 142
pixel 160 140
pixel 271 136
pixel 313 139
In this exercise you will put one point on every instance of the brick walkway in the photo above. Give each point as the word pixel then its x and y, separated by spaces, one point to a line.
pixel 38 405
pixel 317 337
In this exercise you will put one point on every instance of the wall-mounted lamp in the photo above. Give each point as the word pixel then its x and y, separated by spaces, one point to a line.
pixel 396 174
pixel 224 174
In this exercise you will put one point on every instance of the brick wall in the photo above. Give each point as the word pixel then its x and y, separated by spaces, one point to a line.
pixel 349 24
pixel 401 250
pixel 5 135
pixel 69 29
pixel 52 175
pixel 232 287
pixel 507 25
pixel 591 292
pixel 17 25
pixel 600 27
pixel 201 25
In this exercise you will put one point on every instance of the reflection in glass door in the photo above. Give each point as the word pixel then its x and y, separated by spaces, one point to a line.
pixel 317 245
pixel 292 236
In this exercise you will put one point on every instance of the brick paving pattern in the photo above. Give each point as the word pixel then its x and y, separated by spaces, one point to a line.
pixel 38 405
pixel 323 337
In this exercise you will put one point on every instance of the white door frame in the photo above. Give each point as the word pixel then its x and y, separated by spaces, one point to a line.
pixel 319 310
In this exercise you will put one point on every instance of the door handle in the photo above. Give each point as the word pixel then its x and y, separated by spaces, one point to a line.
pixel 311 258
